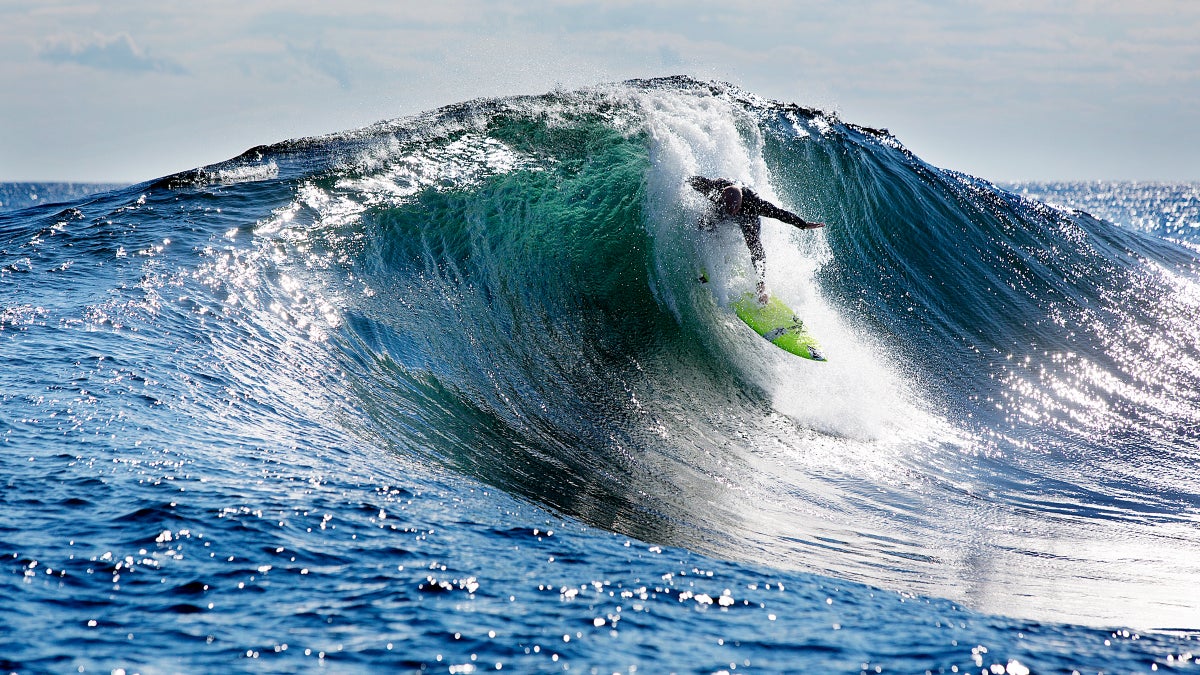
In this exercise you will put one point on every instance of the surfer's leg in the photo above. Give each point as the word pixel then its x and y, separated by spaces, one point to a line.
pixel 751 230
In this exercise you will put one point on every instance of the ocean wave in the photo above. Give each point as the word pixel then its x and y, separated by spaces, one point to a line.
pixel 508 289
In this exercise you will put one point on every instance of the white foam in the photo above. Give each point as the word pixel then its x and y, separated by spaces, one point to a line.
pixel 462 162
pixel 248 173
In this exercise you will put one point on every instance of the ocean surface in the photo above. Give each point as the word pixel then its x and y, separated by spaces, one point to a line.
pixel 444 395
pixel 17 196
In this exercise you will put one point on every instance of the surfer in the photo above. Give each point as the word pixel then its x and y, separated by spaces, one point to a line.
pixel 741 205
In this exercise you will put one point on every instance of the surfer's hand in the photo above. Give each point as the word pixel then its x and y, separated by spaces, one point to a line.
pixel 763 298
pixel 813 226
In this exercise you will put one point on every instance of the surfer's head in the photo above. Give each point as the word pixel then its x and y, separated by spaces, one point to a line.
pixel 731 199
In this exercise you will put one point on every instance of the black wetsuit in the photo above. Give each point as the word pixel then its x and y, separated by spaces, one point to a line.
pixel 753 207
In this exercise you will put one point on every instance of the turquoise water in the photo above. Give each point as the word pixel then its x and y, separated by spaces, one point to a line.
pixel 443 395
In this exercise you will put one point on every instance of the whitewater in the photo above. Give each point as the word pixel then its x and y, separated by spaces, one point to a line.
pixel 445 394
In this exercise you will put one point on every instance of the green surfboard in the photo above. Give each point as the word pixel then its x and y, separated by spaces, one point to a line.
pixel 778 325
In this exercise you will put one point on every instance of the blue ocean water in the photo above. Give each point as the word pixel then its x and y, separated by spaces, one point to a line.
pixel 1170 210
pixel 443 395
pixel 16 196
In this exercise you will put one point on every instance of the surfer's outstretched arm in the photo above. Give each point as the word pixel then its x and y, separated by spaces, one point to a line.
pixel 766 208
pixel 711 189
pixel 707 185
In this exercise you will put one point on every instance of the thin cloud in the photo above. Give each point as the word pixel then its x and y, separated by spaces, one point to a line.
pixel 323 60
pixel 117 53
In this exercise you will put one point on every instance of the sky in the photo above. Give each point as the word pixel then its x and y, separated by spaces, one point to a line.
pixel 130 90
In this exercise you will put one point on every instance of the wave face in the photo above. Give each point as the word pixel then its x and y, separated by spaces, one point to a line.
pixel 505 293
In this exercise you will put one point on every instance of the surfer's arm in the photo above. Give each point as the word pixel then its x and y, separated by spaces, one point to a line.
pixel 769 210
pixel 705 185
pixel 711 189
